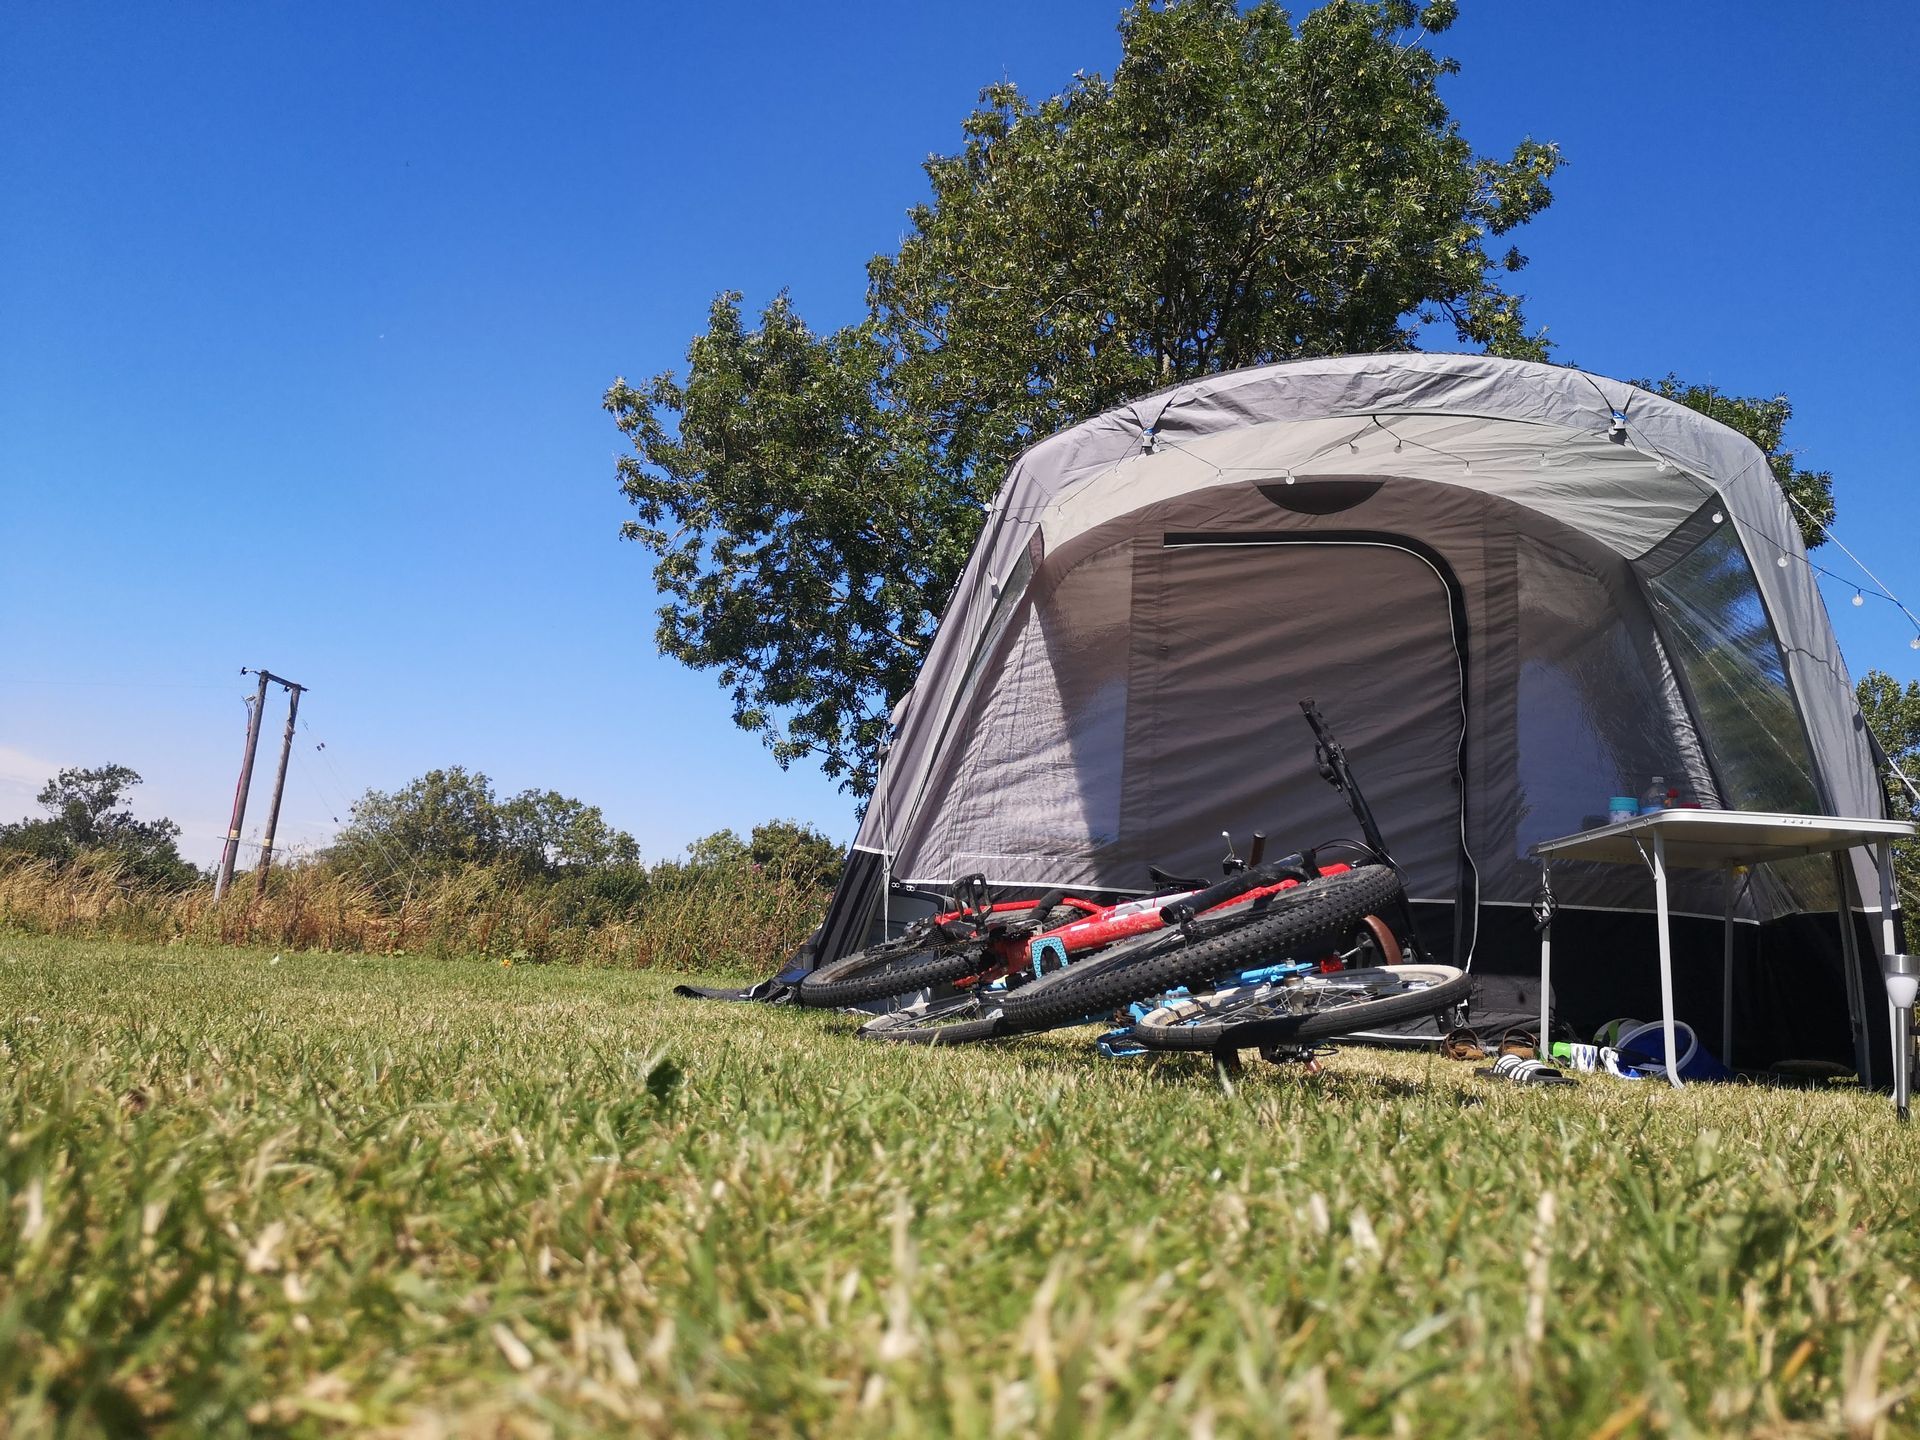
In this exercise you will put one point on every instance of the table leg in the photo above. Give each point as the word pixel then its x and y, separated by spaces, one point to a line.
pixel 1546 975
pixel 1856 987
pixel 1888 944
pixel 1726 978
pixel 1666 956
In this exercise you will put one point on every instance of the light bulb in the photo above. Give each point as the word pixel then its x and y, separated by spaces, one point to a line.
pixel 1354 446
pixel 1289 477
pixel 1718 517
pixel 1914 643
pixel 1902 989
pixel 1663 467
pixel 1467 466
pixel 1858 598
pixel 1781 561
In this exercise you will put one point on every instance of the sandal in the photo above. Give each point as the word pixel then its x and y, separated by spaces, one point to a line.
pixel 1520 1043
pixel 1524 1071
pixel 1461 1043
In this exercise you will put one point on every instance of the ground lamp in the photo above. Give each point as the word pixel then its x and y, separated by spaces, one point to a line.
pixel 1902 973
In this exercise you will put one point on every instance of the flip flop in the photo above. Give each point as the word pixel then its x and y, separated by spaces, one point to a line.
pixel 1524 1071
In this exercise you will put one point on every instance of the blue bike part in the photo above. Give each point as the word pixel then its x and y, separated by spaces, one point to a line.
pixel 1119 1045
pixel 1140 1009
pixel 1268 973
pixel 1039 950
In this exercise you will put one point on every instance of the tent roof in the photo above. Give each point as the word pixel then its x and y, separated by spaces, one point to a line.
pixel 1542 435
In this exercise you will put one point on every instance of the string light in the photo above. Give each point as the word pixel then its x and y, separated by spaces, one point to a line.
pixel 1859 597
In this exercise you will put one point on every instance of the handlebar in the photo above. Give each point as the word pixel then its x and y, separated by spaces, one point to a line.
pixel 1179 912
pixel 1045 903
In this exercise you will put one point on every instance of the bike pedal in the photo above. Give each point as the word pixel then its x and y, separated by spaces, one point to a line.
pixel 1119 1045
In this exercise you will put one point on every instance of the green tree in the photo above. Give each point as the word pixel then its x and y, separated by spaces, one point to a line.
pixel 1892 712
pixel 793 850
pixel 798 851
pixel 88 812
pixel 1763 420
pixel 1240 190
pixel 450 819
pixel 543 830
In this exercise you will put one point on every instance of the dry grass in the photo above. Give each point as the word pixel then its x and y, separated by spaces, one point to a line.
pixel 737 916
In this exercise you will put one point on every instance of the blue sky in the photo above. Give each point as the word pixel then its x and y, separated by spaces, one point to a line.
pixel 305 313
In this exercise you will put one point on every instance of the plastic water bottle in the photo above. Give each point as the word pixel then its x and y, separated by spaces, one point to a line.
pixel 1656 797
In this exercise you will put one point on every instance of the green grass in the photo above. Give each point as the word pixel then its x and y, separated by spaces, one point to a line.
pixel 337 1195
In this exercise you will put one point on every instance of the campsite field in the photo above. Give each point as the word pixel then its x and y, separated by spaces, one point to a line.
pixel 343 1194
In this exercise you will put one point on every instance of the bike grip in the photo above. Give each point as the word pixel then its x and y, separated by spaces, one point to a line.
pixel 1231 888
pixel 1045 903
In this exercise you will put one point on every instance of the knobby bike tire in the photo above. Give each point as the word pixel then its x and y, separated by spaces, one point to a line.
pixel 944 1022
pixel 899 967
pixel 882 971
pixel 1185 1024
pixel 1289 923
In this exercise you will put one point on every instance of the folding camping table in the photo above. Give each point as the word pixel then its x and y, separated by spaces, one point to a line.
pixel 1727 840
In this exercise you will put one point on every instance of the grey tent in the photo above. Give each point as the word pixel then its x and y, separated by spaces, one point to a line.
pixel 1514 590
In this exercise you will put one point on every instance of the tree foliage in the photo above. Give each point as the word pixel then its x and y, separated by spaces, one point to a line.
pixel 449 819
pixel 798 851
pixel 1241 190
pixel 88 812
pixel 1892 712
pixel 1763 420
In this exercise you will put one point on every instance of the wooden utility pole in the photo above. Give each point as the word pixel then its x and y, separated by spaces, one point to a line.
pixel 279 783
pixel 255 706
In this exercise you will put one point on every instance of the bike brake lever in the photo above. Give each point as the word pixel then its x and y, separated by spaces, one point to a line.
pixel 1232 864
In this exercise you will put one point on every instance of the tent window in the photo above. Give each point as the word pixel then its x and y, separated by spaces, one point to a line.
pixel 1724 645
pixel 1590 723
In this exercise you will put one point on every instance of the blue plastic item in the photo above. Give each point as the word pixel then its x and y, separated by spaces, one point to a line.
pixel 1695 1062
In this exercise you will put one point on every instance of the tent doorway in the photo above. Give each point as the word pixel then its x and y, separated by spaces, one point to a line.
pixel 1232 629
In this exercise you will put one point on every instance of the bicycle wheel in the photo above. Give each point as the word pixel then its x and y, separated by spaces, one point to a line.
pixel 899 967
pixel 895 967
pixel 956 1020
pixel 1299 921
pixel 1301 1009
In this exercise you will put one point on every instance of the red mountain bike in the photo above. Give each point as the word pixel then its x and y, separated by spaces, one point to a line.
pixel 1030 965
